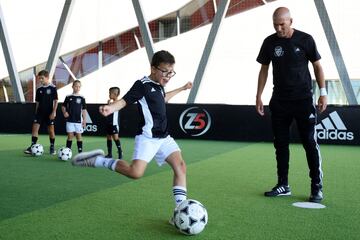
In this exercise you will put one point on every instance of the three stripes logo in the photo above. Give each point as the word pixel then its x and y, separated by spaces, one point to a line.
pixel 333 128
pixel 90 126
pixel 88 118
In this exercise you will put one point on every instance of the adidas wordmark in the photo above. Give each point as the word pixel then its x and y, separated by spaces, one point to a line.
pixel 333 128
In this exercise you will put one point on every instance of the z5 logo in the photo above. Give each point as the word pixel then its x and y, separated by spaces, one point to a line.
pixel 195 121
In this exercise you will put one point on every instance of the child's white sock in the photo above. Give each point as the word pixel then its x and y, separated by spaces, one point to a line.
pixel 179 193
pixel 104 162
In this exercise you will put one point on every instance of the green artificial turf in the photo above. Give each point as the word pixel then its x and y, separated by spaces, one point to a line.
pixel 44 198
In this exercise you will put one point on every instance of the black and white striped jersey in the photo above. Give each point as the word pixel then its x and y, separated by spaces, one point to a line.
pixel 113 119
pixel 150 97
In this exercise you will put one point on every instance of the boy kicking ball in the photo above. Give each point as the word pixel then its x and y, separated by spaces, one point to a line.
pixel 153 139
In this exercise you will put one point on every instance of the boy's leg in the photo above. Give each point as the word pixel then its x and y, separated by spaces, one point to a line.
pixel 178 165
pixel 35 130
pixel 51 130
pixel 118 145
pixel 179 181
pixel 69 139
pixel 144 151
pixel 109 146
pixel 34 137
pixel 97 159
pixel 79 142
pixel 135 170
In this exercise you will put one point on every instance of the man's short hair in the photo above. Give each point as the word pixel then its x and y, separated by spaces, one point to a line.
pixel 162 57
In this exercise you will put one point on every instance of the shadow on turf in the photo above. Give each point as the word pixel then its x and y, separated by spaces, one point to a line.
pixel 162 227
pixel 46 157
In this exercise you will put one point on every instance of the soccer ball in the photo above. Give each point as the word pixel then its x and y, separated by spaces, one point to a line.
pixel 190 217
pixel 37 149
pixel 64 154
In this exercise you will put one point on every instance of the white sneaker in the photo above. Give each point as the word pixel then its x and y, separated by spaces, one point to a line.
pixel 87 159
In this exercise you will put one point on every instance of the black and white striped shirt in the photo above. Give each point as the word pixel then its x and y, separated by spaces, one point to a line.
pixel 113 119
pixel 150 97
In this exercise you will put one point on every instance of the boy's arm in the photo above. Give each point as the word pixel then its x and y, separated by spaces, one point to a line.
pixel 83 113
pixel 53 113
pixel 172 93
pixel 36 107
pixel 65 113
pixel 110 108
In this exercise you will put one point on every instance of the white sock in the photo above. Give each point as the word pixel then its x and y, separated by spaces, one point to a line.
pixel 104 162
pixel 180 194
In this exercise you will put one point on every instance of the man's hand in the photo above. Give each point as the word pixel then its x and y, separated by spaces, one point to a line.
pixel 105 110
pixel 322 103
pixel 260 107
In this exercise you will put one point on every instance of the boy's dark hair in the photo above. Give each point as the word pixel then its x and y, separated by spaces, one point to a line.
pixel 162 57
pixel 113 89
pixel 76 81
pixel 44 73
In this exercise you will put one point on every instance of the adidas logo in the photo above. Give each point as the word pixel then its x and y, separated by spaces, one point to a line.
pixel 153 90
pixel 90 127
pixel 333 128
pixel 88 119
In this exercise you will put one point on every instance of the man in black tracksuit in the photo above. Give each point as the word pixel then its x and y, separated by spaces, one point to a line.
pixel 290 50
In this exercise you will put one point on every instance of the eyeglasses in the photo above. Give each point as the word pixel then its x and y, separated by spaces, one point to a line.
pixel 166 73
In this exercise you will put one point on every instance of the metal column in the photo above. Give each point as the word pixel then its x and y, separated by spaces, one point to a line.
pixel 100 55
pixel 59 36
pixel 219 16
pixel 10 61
pixel 144 29
pixel 335 51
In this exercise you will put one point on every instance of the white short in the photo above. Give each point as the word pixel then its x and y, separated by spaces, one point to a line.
pixel 148 148
pixel 74 127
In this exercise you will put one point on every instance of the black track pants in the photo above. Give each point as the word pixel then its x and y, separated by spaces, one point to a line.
pixel 304 113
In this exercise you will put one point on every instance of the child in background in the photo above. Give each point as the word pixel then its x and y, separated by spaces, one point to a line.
pixel 74 110
pixel 112 125
pixel 45 110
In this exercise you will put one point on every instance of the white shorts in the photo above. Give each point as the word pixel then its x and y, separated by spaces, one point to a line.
pixel 148 148
pixel 74 127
